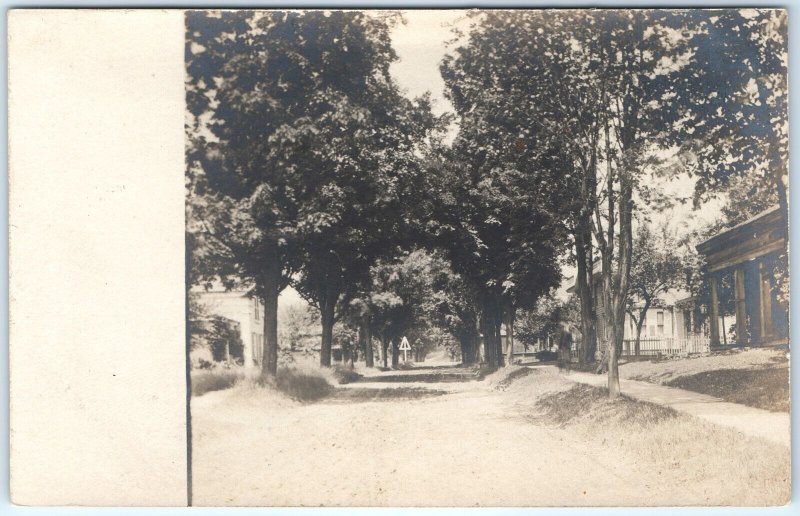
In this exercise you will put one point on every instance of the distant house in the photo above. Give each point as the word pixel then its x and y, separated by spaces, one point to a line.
pixel 742 283
pixel 671 325
pixel 209 342
pixel 247 312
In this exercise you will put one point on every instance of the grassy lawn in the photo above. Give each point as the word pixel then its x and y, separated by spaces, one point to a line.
pixel 756 377
pixel 296 384
pixel 673 447
pixel 766 389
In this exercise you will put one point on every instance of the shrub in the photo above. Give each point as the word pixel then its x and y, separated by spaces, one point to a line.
pixel 302 386
pixel 345 375
pixel 210 380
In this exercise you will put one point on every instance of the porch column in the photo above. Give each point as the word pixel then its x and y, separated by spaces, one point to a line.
pixel 714 311
pixel 765 303
pixel 741 307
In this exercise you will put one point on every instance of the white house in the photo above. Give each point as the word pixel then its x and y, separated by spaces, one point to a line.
pixel 247 311
pixel 670 325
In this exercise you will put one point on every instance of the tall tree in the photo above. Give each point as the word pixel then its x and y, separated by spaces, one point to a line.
pixel 533 70
pixel 506 193
pixel 732 93
pixel 296 129
pixel 367 168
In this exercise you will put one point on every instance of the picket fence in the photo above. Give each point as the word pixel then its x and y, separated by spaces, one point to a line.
pixel 667 346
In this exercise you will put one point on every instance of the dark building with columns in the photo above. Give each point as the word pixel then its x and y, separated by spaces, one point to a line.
pixel 742 281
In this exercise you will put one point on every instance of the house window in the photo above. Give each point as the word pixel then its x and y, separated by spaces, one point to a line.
pixel 255 304
pixel 652 330
pixel 660 322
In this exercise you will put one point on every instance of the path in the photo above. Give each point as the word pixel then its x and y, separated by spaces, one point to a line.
pixel 467 448
pixel 773 426
pixel 446 441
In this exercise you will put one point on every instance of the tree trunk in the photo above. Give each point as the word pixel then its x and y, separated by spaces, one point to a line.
pixel 385 350
pixel 327 313
pixel 395 353
pixel 583 286
pixel 466 355
pixel 639 324
pixel 613 372
pixel 637 343
pixel 498 337
pixel 487 329
pixel 271 285
pixel 620 296
pixel 510 336
pixel 367 334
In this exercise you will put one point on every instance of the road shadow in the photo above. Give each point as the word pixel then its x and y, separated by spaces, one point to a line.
pixel 453 367
pixel 422 378
pixel 366 394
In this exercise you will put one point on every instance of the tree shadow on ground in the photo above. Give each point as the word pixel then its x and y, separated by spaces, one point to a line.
pixel 765 388
pixel 422 378
pixel 374 394
pixel 453 367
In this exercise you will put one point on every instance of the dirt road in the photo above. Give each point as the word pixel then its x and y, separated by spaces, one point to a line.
pixel 447 442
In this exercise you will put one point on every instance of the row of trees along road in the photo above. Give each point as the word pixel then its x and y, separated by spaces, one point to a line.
pixel 308 166
pixel 303 155
pixel 602 94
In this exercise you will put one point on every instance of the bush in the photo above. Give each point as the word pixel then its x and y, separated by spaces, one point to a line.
pixel 302 386
pixel 210 380
pixel 345 375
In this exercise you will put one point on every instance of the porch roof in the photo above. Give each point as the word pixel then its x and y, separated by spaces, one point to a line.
pixel 755 237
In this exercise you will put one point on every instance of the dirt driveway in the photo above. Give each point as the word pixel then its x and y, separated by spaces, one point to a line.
pixel 454 442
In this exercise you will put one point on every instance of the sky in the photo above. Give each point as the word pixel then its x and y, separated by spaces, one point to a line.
pixel 420 45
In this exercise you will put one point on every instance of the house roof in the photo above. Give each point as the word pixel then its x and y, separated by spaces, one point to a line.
pixel 217 286
pixel 672 297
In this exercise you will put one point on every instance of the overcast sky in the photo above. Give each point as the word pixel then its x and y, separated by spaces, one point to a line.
pixel 421 45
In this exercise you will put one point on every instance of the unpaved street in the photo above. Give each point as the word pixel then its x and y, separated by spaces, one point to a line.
pixel 473 444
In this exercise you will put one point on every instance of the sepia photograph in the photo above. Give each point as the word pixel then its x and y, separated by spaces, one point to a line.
pixel 493 258
pixel 398 258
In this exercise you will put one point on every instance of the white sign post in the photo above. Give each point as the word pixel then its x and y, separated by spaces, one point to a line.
pixel 405 347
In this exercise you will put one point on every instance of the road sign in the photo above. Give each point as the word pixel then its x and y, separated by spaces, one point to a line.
pixel 405 347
